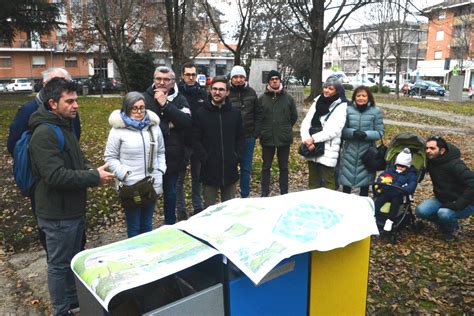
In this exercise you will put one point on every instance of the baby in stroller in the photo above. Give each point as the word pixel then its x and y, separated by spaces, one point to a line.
pixel 393 184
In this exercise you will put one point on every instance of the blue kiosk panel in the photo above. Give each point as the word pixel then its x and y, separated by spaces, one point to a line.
pixel 283 291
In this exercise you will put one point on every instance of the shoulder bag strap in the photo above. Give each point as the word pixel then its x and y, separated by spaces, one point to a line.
pixel 152 150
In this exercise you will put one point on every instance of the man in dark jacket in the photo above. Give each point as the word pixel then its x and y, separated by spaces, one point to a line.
pixel 244 98
pixel 60 193
pixel 453 187
pixel 196 97
pixel 20 124
pixel 276 130
pixel 163 98
pixel 218 143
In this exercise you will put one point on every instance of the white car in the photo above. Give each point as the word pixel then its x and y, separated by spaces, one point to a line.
pixel 19 84
pixel 390 82
pixel 359 82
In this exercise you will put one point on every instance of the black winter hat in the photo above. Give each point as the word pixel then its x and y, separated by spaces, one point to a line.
pixel 273 73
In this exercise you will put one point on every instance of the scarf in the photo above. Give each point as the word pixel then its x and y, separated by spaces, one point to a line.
pixel 322 108
pixel 129 122
pixel 275 91
pixel 362 108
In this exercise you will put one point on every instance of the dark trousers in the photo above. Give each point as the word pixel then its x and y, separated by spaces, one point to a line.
pixel 364 191
pixel 395 200
pixel 283 154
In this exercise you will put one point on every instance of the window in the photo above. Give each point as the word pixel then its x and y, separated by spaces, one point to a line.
pixel 438 54
pixel 439 35
pixel 5 62
pixel 38 62
pixel 70 62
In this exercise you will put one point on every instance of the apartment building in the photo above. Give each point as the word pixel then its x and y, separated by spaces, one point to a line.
pixel 450 41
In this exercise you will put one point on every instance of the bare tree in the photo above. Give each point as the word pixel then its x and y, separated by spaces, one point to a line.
pixel 245 25
pixel 462 38
pixel 116 25
pixel 308 24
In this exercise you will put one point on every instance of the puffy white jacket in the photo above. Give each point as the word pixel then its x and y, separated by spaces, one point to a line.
pixel 331 133
pixel 127 151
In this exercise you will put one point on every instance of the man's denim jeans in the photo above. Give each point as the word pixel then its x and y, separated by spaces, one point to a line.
pixel 63 240
pixel 446 218
pixel 169 197
pixel 139 220
pixel 196 189
pixel 246 166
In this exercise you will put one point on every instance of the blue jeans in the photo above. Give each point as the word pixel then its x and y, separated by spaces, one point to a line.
pixel 446 218
pixel 196 197
pixel 169 197
pixel 139 220
pixel 246 166
pixel 63 242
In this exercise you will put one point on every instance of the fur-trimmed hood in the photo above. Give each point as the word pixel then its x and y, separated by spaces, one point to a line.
pixel 116 121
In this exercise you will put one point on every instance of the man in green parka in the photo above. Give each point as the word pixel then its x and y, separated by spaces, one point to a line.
pixel 276 126
pixel 60 192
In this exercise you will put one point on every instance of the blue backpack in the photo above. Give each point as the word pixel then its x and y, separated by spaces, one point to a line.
pixel 21 160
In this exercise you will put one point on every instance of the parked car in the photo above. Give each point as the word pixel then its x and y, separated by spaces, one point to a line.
pixel 20 84
pixel 390 82
pixel 359 82
pixel 425 87
pixel 2 87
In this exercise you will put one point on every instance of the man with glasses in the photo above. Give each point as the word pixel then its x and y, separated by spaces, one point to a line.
pixel 218 138
pixel 276 126
pixel 163 98
pixel 453 187
pixel 244 98
pixel 196 96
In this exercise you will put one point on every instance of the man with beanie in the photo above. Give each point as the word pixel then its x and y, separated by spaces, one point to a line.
pixel 453 187
pixel 392 185
pixel 196 97
pixel 244 98
pixel 279 114
pixel 217 138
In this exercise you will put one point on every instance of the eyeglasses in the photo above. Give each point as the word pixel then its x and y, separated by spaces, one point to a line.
pixel 190 75
pixel 218 89
pixel 274 79
pixel 136 109
pixel 164 80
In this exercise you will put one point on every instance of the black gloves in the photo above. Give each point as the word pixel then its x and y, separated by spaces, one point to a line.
pixel 360 135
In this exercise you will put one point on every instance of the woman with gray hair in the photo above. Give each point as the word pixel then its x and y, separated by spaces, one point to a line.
pixel 135 150
pixel 323 124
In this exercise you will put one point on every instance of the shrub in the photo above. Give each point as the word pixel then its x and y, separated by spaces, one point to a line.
pixel 348 86
pixel 385 89
pixel 374 89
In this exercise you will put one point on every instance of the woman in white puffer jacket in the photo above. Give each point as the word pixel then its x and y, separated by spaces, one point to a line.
pixel 128 154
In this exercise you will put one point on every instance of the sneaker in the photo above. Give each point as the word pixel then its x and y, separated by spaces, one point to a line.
pixel 74 308
pixel 388 225
pixel 452 236
pixel 182 216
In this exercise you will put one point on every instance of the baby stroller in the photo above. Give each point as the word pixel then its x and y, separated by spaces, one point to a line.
pixel 405 215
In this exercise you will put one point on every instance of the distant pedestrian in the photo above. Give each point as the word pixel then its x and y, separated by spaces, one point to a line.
pixel 244 98
pixel 276 126
pixel 218 142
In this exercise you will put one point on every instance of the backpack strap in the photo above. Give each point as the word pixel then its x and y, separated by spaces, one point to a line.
pixel 59 135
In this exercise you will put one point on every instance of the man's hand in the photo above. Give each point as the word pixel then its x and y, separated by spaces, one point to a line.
pixel 160 97
pixel 309 142
pixel 104 175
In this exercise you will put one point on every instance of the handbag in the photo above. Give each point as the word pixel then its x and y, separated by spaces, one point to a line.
pixel 374 157
pixel 319 147
pixel 142 192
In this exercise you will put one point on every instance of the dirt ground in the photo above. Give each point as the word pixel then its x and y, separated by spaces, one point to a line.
pixel 23 289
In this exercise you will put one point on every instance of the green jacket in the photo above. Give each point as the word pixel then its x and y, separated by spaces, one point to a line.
pixel 64 177
pixel 279 116
pixel 245 100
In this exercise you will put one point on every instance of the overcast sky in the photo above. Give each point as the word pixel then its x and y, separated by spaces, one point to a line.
pixel 229 8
